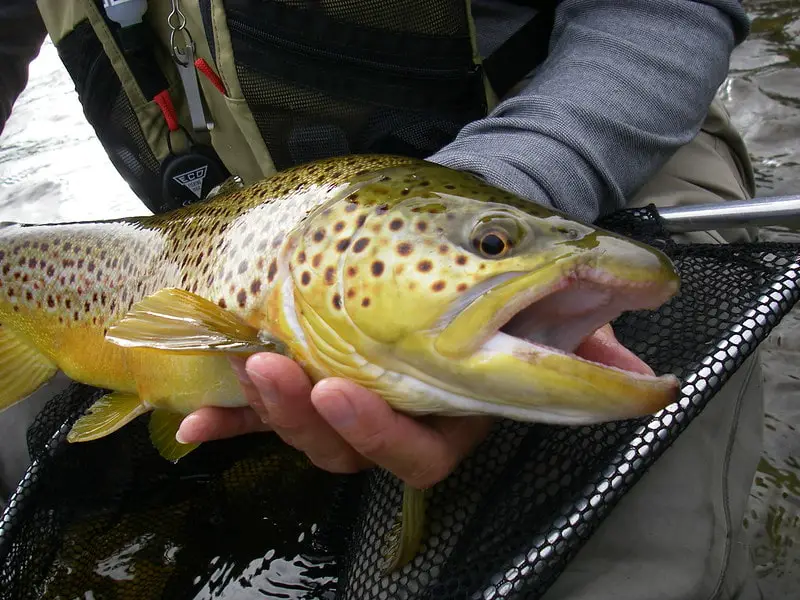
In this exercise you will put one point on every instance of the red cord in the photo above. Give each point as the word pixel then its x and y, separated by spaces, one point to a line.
pixel 167 109
pixel 206 70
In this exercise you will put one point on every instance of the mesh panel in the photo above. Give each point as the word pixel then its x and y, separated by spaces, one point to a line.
pixel 250 518
pixel 109 111
pixel 431 18
pixel 343 74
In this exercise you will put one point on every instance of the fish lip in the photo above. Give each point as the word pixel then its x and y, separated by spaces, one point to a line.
pixel 459 339
pixel 634 295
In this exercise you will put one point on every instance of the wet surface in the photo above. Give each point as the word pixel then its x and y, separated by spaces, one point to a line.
pixel 763 95
pixel 53 169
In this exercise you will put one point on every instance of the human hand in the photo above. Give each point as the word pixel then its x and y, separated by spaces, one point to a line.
pixel 344 428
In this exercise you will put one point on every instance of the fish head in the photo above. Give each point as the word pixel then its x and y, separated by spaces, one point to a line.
pixel 460 298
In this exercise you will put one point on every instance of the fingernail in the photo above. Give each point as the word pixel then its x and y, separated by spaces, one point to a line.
pixel 266 389
pixel 238 367
pixel 180 435
pixel 336 410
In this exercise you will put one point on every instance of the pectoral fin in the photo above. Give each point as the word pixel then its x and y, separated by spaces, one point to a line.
pixel 105 416
pixel 163 427
pixel 22 368
pixel 405 538
pixel 175 320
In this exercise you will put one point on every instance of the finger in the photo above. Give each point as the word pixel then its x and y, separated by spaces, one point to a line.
pixel 214 423
pixel 251 394
pixel 284 392
pixel 604 347
pixel 419 454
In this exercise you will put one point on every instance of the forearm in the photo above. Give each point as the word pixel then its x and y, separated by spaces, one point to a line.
pixel 626 84
pixel 22 35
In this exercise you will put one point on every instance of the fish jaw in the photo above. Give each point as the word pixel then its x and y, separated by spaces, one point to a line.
pixel 509 350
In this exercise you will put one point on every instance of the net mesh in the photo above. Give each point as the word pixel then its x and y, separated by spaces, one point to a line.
pixel 251 518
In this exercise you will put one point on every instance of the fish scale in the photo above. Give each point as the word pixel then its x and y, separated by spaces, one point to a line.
pixel 393 272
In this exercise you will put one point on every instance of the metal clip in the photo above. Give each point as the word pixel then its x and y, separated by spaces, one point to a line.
pixel 184 58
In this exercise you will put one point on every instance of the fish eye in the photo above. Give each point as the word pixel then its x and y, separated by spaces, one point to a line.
pixel 495 235
pixel 493 244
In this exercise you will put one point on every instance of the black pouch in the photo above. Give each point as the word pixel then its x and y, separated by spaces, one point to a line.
pixel 109 111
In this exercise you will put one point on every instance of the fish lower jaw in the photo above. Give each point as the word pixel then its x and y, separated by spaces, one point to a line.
pixel 560 318
pixel 501 344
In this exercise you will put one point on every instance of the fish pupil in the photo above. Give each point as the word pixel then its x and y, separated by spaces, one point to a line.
pixel 492 245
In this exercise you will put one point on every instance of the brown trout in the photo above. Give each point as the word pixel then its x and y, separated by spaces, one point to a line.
pixel 439 292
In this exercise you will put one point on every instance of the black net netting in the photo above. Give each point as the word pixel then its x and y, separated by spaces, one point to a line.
pixel 250 517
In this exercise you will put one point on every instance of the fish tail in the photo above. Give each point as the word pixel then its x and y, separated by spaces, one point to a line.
pixel 23 368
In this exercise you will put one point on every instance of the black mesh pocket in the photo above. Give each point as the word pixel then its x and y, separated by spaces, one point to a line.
pixel 332 78
pixel 109 111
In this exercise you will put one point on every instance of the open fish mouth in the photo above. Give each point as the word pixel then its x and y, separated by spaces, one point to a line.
pixel 560 317
pixel 519 337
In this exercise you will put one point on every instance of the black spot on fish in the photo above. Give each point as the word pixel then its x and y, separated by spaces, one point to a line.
pixel 273 269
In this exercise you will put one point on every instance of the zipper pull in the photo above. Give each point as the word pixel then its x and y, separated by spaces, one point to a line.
pixel 184 58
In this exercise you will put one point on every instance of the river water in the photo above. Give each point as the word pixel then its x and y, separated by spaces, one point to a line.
pixel 53 169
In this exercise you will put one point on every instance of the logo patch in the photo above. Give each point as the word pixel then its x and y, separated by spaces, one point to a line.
pixel 193 180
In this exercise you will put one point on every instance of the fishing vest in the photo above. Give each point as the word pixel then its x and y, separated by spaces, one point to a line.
pixel 281 82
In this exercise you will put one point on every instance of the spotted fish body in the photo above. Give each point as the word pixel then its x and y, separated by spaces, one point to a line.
pixel 392 272
pixel 63 285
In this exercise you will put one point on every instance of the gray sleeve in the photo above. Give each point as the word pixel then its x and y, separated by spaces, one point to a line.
pixel 23 32
pixel 625 85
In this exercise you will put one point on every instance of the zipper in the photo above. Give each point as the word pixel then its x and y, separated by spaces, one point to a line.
pixel 252 33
